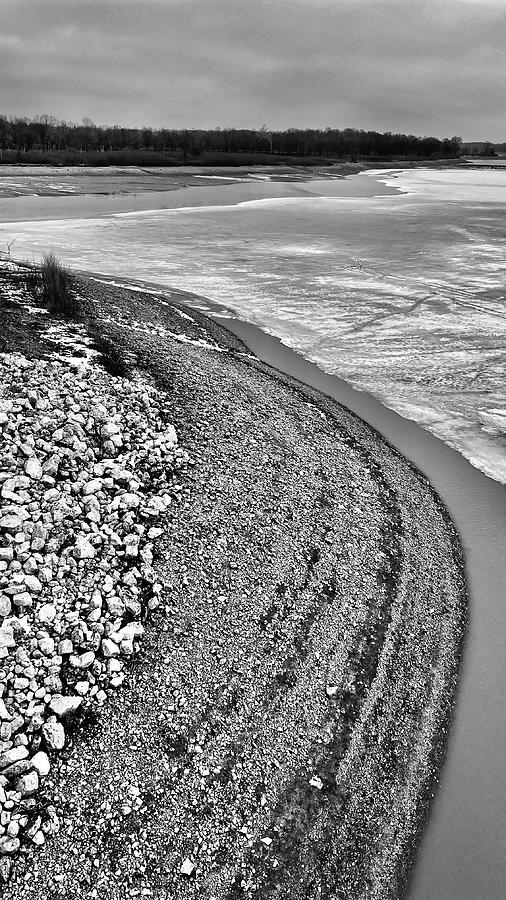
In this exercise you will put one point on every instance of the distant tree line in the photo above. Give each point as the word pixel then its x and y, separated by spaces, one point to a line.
pixel 483 148
pixel 45 138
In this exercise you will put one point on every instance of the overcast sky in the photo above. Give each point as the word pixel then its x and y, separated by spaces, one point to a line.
pixel 421 66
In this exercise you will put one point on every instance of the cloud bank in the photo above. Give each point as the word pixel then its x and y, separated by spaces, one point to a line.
pixel 402 65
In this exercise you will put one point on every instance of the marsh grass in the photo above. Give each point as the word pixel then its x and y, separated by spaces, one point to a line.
pixel 112 356
pixel 51 286
pixel 56 288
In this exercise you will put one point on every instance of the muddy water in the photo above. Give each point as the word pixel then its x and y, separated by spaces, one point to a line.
pixel 463 850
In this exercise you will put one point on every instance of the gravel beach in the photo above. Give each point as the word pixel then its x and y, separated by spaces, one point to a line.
pixel 273 599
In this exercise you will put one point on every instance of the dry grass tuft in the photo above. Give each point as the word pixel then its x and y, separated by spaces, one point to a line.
pixel 56 290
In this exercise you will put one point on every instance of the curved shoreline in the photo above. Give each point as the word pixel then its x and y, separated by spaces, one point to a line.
pixel 404 859
pixel 422 575
pixel 260 340
pixel 457 858
pixel 397 885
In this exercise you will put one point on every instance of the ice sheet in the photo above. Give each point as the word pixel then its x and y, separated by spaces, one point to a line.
pixel 402 295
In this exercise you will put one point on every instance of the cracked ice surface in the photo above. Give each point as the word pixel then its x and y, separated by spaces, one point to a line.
pixel 401 295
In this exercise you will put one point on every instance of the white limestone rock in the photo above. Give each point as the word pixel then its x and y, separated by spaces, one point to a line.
pixel 54 735
pixel 40 763
pixel 61 706
pixel 83 549
pixel 33 468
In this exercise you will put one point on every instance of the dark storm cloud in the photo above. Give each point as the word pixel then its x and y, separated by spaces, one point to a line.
pixel 425 67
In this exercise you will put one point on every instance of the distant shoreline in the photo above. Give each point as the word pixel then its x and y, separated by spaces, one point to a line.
pixel 221 161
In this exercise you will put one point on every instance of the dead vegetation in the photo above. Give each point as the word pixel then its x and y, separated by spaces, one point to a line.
pixel 51 286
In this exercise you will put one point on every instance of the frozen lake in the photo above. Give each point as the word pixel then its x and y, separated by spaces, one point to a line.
pixel 395 281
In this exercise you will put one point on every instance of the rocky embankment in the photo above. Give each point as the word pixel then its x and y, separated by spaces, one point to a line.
pixel 279 731
pixel 85 465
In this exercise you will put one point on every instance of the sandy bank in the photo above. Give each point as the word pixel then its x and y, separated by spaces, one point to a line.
pixel 285 719
pixel 54 181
